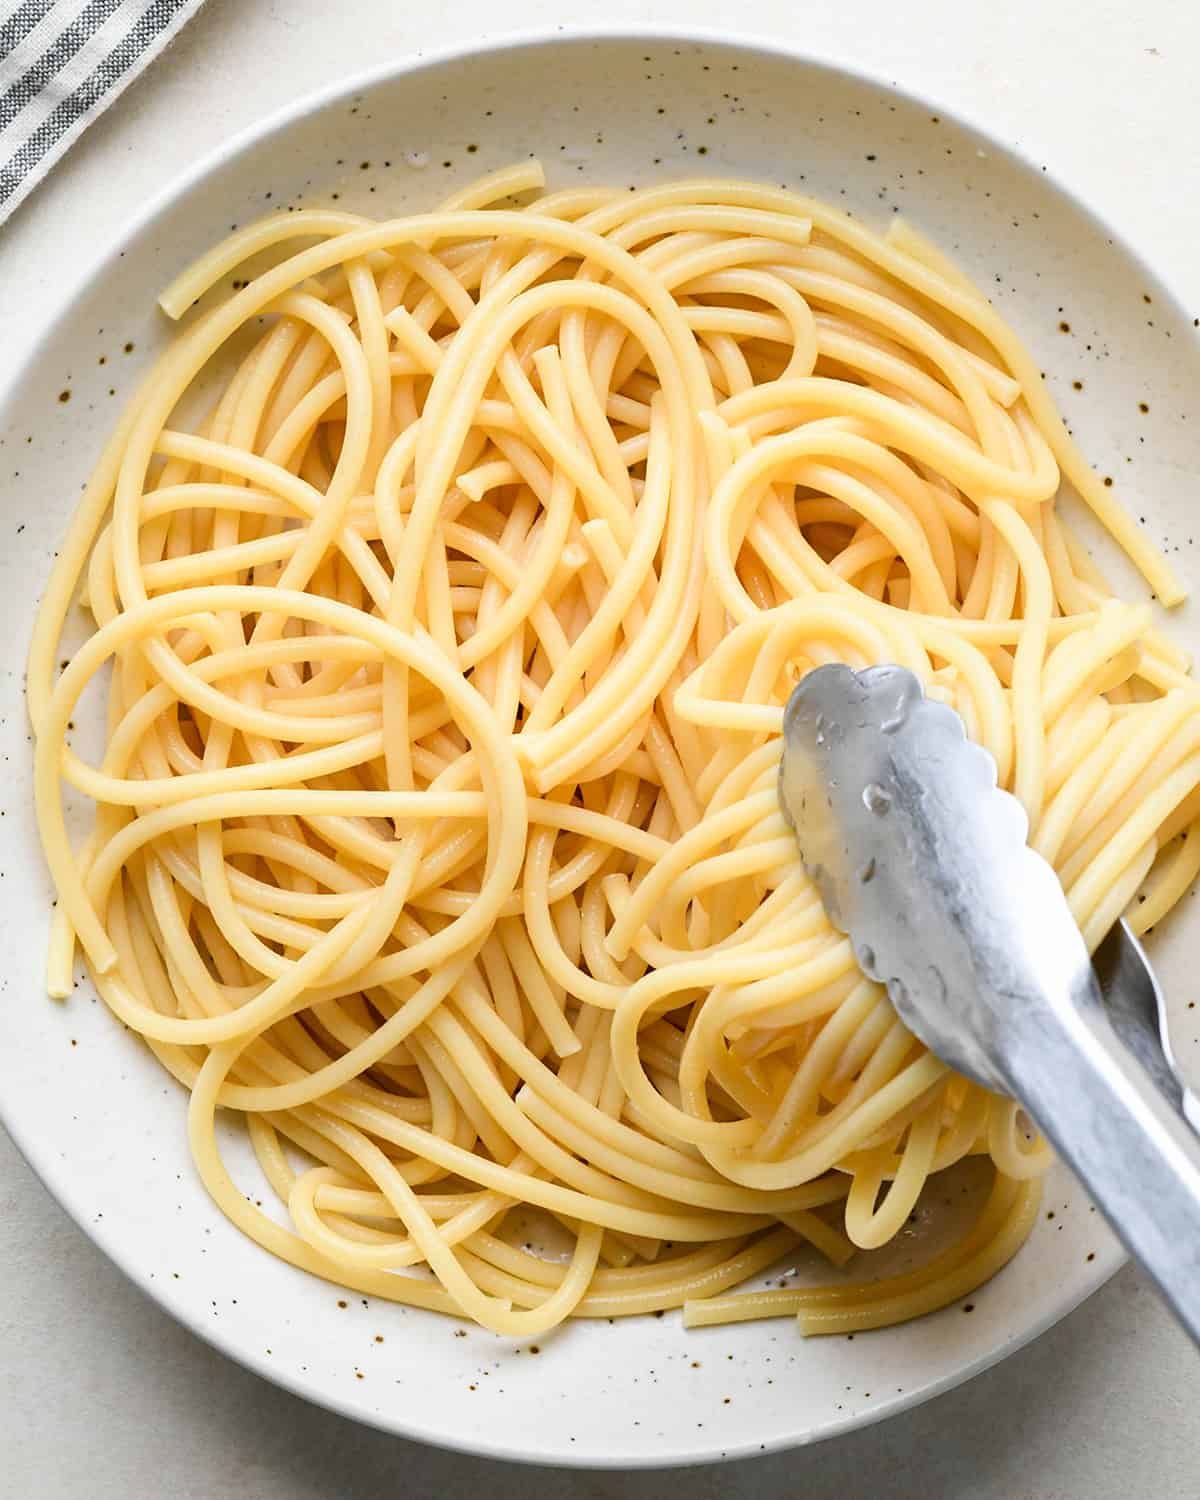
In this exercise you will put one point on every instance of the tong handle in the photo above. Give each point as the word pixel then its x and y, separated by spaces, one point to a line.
pixel 1108 1119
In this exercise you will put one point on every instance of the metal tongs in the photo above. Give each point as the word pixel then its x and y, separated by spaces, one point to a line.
pixel 922 860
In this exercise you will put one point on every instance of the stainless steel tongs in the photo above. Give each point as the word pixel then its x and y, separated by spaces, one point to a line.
pixel 922 860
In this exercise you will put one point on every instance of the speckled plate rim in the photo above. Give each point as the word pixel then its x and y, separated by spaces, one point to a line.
pixel 57 1178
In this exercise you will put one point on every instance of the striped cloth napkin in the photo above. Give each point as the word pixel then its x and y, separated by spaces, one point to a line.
pixel 63 62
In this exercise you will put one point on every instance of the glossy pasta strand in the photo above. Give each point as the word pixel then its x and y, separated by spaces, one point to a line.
pixel 436 829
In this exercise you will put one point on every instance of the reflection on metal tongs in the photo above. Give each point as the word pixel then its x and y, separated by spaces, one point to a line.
pixel 922 860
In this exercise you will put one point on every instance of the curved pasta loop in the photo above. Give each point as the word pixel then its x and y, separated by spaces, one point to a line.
pixel 436 829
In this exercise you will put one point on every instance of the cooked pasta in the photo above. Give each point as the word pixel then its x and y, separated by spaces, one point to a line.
pixel 449 577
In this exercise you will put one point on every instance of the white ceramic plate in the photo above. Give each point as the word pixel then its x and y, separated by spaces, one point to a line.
pixel 92 1110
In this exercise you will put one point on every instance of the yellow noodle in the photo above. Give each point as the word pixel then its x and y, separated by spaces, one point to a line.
pixel 436 828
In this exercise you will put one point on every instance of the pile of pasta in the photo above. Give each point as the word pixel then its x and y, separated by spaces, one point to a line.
pixel 436 832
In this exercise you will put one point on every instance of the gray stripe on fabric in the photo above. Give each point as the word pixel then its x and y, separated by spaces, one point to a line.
pixel 21 23
pixel 107 73
pixel 55 57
